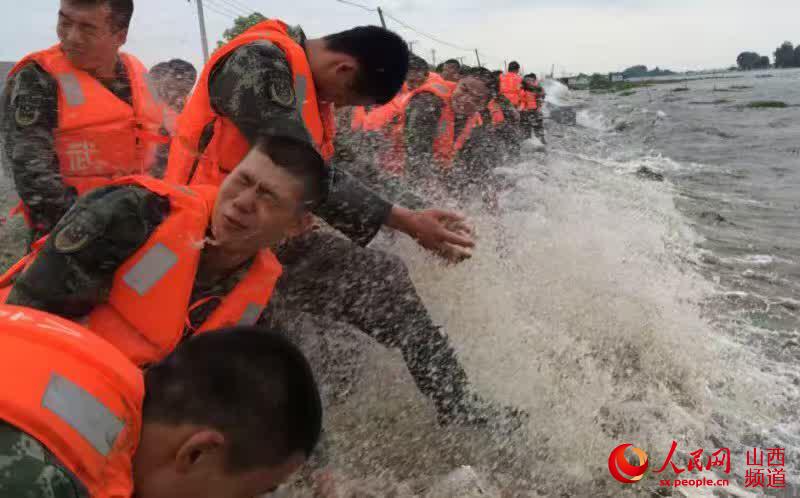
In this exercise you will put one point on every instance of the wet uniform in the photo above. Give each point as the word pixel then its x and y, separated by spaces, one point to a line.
pixel 75 270
pixel 28 118
pixel 24 460
pixel 470 176
pixel 325 274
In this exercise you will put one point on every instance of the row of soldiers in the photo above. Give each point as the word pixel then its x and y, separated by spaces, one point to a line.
pixel 174 250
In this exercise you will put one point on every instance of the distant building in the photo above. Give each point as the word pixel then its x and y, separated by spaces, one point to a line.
pixel 616 77
pixel 5 68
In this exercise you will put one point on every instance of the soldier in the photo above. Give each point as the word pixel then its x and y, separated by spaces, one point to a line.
pixel 533 96
pixel 200 257
pixel 78 114
pixel 75 421
pixel 174 81
pixel 273 73
pixel 451 70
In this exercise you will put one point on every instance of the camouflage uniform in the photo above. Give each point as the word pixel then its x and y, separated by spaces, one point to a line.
pixel 75 270
pixel 326 275
pixel 29 107
pixel 29 470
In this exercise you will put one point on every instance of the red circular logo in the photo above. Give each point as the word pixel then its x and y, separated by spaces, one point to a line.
pixel 623 471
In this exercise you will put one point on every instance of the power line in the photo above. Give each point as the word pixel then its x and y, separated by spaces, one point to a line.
pixel 235 8
pixel 243 6
pixel 212 8
pixel 426 35
pixel 360 6
pixel 229 11
pixel 219 9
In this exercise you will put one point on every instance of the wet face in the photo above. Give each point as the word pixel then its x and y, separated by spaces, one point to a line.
pixel 258 205
pixel 416 78
pixel 450 72
pixel 337 83
pixel 194 466
pixel 87 35
pixel 470 96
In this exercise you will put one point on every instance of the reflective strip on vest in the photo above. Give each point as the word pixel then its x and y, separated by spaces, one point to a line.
pixel 150 269
pixel 300 93
pixel 72 89
pixel 251 314
pixel 84 413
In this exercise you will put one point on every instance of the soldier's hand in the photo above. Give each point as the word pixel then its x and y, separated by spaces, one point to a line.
pixel 443 232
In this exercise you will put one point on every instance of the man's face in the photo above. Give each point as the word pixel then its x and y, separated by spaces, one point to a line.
pixel 204 474
pixel 87 36
pixel 470 96
pixel 416 78
pixel 450 72
pixel 258 205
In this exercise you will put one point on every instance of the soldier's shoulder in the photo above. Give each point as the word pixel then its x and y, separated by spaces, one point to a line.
pixel 28 469
pixel 31 76
pixel 256 54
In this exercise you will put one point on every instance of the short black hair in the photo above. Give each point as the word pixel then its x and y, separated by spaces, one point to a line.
pixel 174 66
pixel 295 154
pixel 417 63
pixel 532 75
pixel 464 69
pixel 250 383
pixel 486 76
pixel 452 61
pixel 121 11
pixel 382 56
pixel 513 66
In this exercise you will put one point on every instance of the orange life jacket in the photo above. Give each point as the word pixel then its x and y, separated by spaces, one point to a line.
pixel 99 137
pixel 358 118
pixel 511 87
pixel 74 393
pixel 446 145
pixel 529 101
pixel 228 146
pixel 393 124
pixel 496 112
pixel 438 78
pixel 147 310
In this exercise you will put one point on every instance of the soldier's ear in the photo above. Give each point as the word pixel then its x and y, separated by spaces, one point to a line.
pixel 121 36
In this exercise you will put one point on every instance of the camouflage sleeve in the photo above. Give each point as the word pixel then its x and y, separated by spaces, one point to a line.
pixel 75 269
pixel 254 88
pixel 29 470
pixel 30 116
pixel 422 118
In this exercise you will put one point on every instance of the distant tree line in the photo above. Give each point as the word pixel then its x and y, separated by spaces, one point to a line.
pixel 641 71
pixel 785 56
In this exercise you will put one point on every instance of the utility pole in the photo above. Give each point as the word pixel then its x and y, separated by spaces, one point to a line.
pixel 383 21
pixel 478 57
pixel 203 38
pixel 460 60
pixel 411 45
pixel 433 53
pixel 505 66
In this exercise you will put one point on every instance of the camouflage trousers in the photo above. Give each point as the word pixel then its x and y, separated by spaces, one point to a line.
pixel 29 470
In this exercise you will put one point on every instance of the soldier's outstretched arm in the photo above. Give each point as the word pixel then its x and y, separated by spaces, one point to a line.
pixel 75 269
pixel 30 116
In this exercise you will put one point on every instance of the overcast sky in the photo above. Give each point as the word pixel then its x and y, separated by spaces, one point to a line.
pixel 574 35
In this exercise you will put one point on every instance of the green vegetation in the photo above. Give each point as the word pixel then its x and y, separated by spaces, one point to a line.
pixel 787 55
pixel 713 102
pixel 741 87
pixel 681 89
pixel 767 104
pixel 752 60
pixel 641 71
pixel 240 25
pixel 627 93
